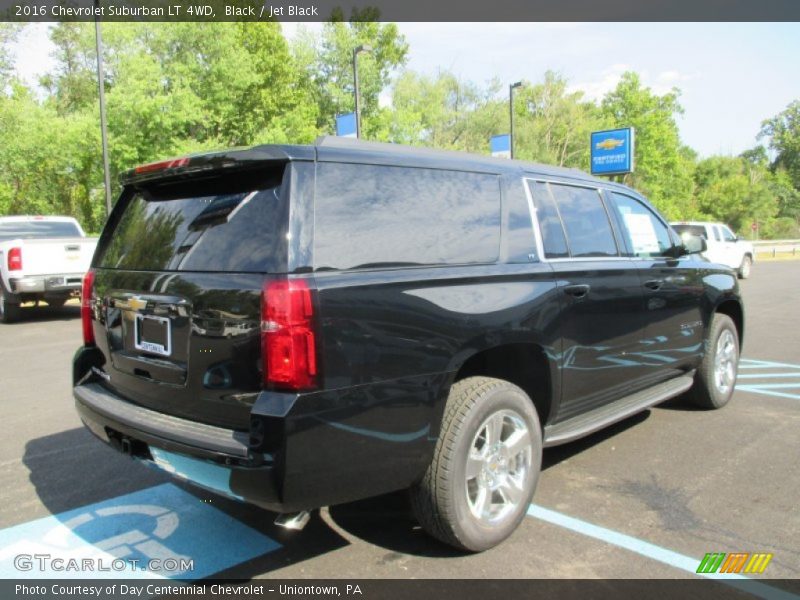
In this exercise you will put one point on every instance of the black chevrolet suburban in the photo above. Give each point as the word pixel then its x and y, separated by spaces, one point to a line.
pixel 300 326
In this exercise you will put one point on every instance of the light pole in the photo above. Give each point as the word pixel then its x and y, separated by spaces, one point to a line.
pixel 98 39
pixel 356 52
pixel 511 89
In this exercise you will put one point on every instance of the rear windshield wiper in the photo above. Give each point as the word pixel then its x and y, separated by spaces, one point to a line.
pixel 216 212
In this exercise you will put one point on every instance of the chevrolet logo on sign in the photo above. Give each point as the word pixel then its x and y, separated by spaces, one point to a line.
pixel 609 144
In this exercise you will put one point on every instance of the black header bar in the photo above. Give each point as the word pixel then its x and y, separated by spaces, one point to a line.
pixel 402 10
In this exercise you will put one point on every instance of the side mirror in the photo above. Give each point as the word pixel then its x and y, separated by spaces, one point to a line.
pixel 693 244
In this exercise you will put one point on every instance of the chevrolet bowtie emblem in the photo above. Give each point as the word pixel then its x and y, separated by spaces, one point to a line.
pixel 136 303
pixel 609 144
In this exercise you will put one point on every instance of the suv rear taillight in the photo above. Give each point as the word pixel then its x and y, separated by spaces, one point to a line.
pixel 288 340
pixel 87 291
pixel 15 259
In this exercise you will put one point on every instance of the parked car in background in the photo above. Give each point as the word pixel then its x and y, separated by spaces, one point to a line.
pixel 41 258
pixel 300 326
pixel 722 245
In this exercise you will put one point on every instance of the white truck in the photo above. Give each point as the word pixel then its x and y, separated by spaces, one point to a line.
pixel 41 258
pixel 723 247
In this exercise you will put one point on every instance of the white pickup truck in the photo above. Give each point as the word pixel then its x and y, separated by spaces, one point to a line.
pixel 41 258
pixel 723 247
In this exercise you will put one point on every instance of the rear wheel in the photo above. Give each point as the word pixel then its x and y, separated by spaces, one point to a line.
pixel 716 377
pixel 485 467
pixel 745 267
pixel 9 311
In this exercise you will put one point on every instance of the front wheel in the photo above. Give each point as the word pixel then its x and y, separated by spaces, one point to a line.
pixel 716 378
pixel 485 467
pixel 745 267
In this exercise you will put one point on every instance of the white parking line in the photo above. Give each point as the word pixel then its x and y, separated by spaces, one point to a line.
pixel 750 363
pixel 655 552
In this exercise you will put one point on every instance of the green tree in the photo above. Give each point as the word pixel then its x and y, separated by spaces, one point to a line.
pixel 445 112
pixel 552 125
pixel 183 87
pixel 783 132
pixel 735 190
pixel 8 33
pixel 47 163
pixel 278 106
pixel 73 84
pixel 663 166
pixel 171 89
pixel 328 66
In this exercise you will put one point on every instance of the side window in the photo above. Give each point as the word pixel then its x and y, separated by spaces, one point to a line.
pixel 520 241
pixel 367 215
pixel 553 240
pixel 727 235
pixel 717 236
pixel 646 235
pixel 585 220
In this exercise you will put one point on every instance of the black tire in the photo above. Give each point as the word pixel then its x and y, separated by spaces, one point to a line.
pixel 745 267
pixel 707 392
pixel 56 302
pixel 9 310
pixel 442 501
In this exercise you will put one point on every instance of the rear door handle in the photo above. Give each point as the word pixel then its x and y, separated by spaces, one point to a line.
pixel 577 291
pixel 654 284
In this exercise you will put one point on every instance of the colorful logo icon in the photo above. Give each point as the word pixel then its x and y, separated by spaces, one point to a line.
pixel 734 562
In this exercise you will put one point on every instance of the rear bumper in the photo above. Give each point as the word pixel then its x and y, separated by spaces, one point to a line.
pixel 303 450
pixel 47 283
pixel 204 455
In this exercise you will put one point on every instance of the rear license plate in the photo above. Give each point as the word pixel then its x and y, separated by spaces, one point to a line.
pixel 152 334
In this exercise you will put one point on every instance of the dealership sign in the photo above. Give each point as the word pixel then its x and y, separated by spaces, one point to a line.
pixel 500 145
pixel 612 151
pixel 346 125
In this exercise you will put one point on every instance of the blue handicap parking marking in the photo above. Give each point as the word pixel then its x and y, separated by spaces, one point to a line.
pixel 159 532
pixel 769 378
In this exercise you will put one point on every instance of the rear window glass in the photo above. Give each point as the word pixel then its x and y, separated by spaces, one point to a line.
pixel 38 229
pixel 222 225
pixel 373 216
pixel 695 230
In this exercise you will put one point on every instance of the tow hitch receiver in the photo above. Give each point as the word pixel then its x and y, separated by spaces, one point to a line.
pixel 126 445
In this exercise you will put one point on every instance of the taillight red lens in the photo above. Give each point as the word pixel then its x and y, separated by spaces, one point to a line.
pixel 87 291
pixel 172 163
pixel 288 341
pixel 15 259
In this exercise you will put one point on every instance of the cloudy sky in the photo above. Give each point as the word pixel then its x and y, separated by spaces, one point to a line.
pixel 731 75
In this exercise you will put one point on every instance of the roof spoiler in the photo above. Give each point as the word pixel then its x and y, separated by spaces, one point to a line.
pixel 225 161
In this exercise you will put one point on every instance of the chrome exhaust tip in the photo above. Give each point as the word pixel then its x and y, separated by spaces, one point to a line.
pixel 294 521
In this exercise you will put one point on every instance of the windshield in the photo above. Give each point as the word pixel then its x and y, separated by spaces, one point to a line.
pixel 11 230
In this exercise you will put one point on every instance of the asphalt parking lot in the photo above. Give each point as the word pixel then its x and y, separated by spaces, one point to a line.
pixel 647 498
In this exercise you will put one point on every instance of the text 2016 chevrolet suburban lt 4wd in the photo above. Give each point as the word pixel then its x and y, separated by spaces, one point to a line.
pixel 299 326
